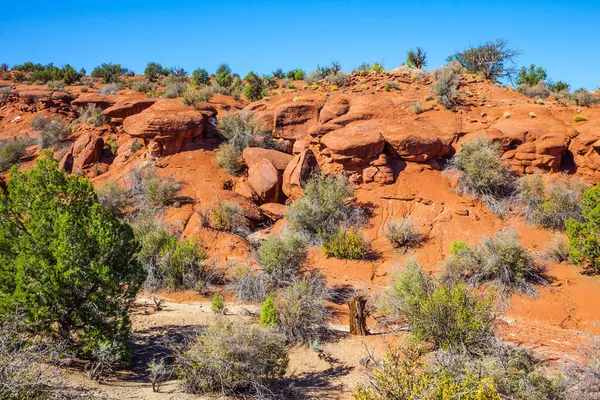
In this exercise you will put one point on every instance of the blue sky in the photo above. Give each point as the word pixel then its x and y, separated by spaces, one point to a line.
pixel 263 35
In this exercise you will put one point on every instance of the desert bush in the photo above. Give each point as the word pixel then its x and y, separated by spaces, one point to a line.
pixel 113 197
pixel 4 92
pixel 51 133
pixel 445 87
pixel 228 158
pixel 483 174
pixel 217 306
pixel 450 316
pixel 154 71
pixel 584 98
pixel 324 207
pixel 500 261
pixel 531 76
pixel 296 74
pixel 282 258
pixel 91 115
pixel 403 233
pixel 200 77
pixel 229 216
pixel 57 86
pixel 241 131
pixel 48 73
pixel 301 309
pixel 557 250
pixel 106 357
pixel 584 377
pixel 579 118
pixel 416 58
pixel 278 74
pixel 314 77
pixel 223 76
pixel 150 189
pixel 175 89
pixel 11 152
pixel 458 245
pixel 268 313
pixel 249 285
pixel 255 87
pixel 339 79
pixel 193 98
pixel 584 235
pixel 493 60
pixel 406 373
pixel 110 88
pixel 550 205
pixel 158 373
pixel 67 257
pixel 109 73
pixel 389 85
pixel 232 358
pixel 142 85
pixel 28 66
pixel 346 244
pixel 537 91
pixel 416 107
pixel 559 87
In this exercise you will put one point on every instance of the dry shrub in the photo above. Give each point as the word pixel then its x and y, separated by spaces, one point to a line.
pixel 557 250
pixel 51 133
pixel 150 189
pixel 445 87
pixel 403 233
pixel 230 217
pixel 11 152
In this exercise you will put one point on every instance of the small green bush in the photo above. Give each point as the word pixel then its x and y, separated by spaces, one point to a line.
pixel 584 98
pixel 229 216
pixel 550 205
pixel 457 246
pixel 109 73
pixel 579 118
pixel 194 98
pixel 240 130
pixel 346 244
pixel 416 108
pixel 584 235
pixel 200 77
pixel 537 91
pixel 501 261
pixel 91 115
pixel 557 250
pixel 531 76
pixel 483 174
pixel 232 358
pixel 154 71
pixel 150 189
pixel 67 74
pixel 217 306
pixel 223 76
pixel 492 60
pixel 228 158
pixel 403 233
pixel 416 58
pixel 282 258
pixel 255 87
pixel 268 313
pixel 11 152
pixel 559 87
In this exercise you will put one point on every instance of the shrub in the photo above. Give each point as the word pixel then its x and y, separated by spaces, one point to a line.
pixel 200 77
pixel 69 256
pixel 241 131
pixel 51 133
pixel 537 91
pixel 67 74
pixel 232 359
pixel 557 250
pixel 582 97
pixel 91 115
pixel 416 59
pixel 550 205
pixel 109 73
pixel 483 174
pixel 282 258
pixel 4 92
pixel 346 244
pixel 142 86
pixel 457 246
pixel 193 98
pixel 268 313
pixel 228 158
pixel 450 316
pixel 500 261
pixel 403 233
pixel 584 244
pixel 301 309
pixel 112 197
pixel 217 306
pixel 446 84
pixel 559 87
pixel 11 152
pixel 255 87
pixel 389 85
pixel 229 216
pixel 531 76
pixel 150 189
pixel 491 60
pixel 175 89
pixel 249 286
pixel 158 372
pixel 154 71
pixel 106 358
pixel 324 207
pixel 416 108
pixel 28 66
pixel 579 118
pixel 223 76
pixel 339 79
pixel 110 88
pixel 57 86
pixel 296 74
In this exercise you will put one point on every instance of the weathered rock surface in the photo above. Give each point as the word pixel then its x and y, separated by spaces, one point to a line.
pixel 127 107
pixel 86 150
pixel 355 144
pixel 265 180
pixel 280 160
pixel 298 171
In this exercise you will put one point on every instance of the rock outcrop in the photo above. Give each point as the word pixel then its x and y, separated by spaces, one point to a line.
pixel 298 171
pixel 265 180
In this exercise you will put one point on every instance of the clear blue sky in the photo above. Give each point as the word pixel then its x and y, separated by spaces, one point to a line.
pixel 562 36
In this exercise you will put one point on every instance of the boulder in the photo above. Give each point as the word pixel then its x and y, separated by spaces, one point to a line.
pixel 86 150
pixel 545 153
pixel 128 107
pixel 292 120
pixel 355 144
pixel 251 210
pixel 265 180
pixel 298 171
pixel 412 142
pixel 333 108
pixel 273 211
pixel 252 155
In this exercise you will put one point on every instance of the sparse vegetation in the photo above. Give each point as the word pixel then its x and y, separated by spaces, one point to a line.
pixel 445 87
pixel 346 244
pixel 229 216
pixel 493 60
pixel 416 58
pixel 154 71
pixel 110 88
pixel 416 108
pixel 584 98
pixel 579 118
pixel 282 259
pixel 233 359
pixel 67 74
pixel 483 174
pixel 109 73
pixel 500 261
pixel 113 197
pixel 51 133
pixel 217 306
pixel 200 77
pixel 142 86
pixel 228 158
pixel 175 89
pixel 584 242
pixel 557 250
pixel 403 233
pixel 255 87
pixel 268 313
pixel 91 115
pixel 11 152
pixel 150 189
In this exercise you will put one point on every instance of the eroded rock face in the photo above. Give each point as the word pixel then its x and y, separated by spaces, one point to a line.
pixel 127 107
pixel 354 145
pixel 167 124
pixel 298 171
pixel 265 180
pixel 86 151
pixel 252 155
pixel 95 99
pixel 292 120
pixel 412 142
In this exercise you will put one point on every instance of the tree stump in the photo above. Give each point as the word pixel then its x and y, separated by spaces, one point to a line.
pixel 357 316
